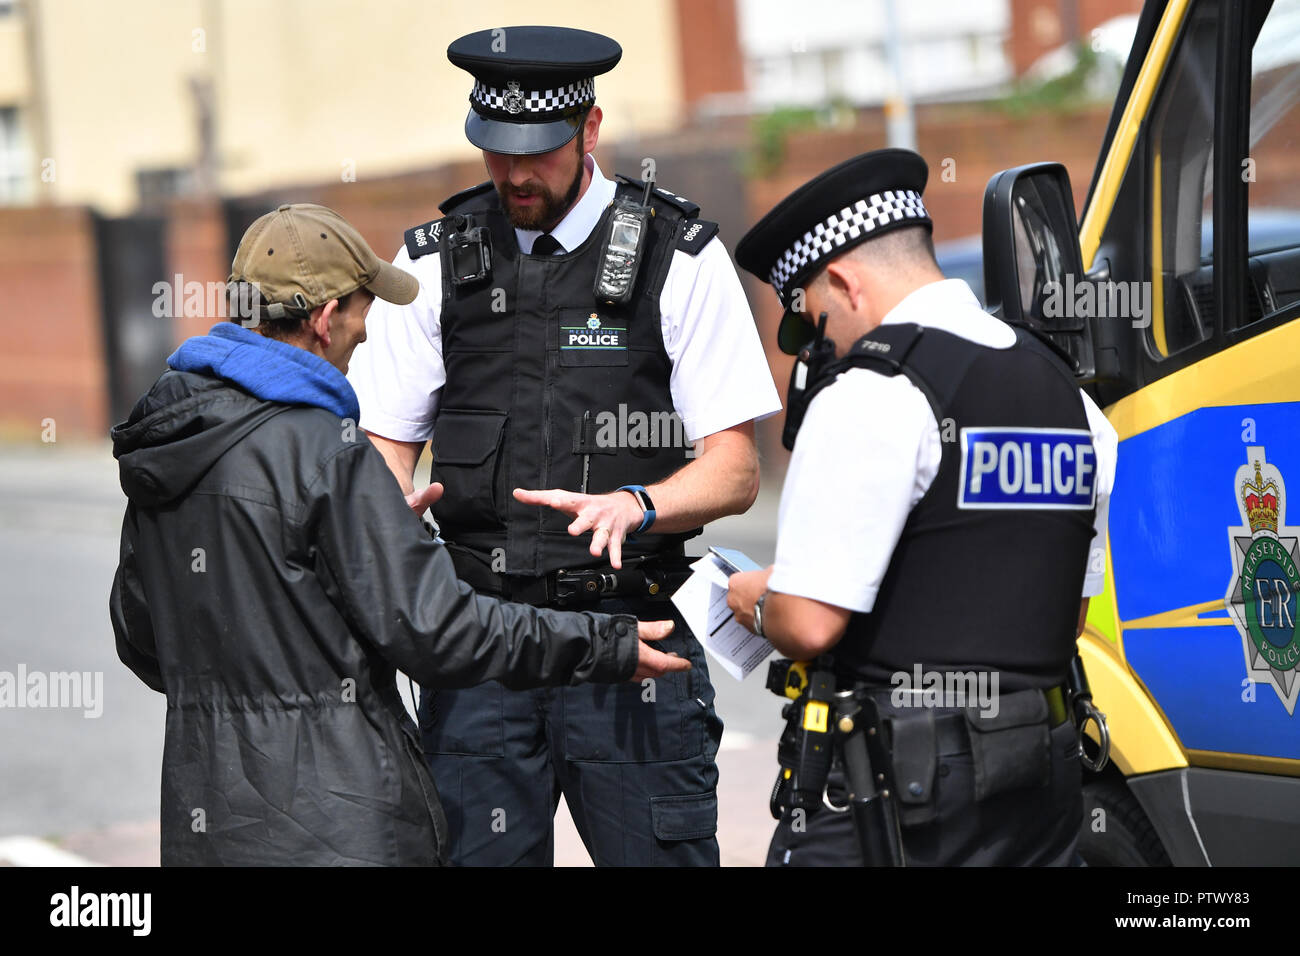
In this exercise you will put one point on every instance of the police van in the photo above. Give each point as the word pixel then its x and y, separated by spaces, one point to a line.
pixel 1177 297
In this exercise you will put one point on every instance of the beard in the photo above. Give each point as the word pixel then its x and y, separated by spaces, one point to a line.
pixel 545 214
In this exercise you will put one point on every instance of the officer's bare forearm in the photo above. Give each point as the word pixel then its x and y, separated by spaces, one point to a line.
pixel 721 480
pixel 802 628
pixel 400 456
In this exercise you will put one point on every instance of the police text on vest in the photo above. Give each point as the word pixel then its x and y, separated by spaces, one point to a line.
pixel 1016 468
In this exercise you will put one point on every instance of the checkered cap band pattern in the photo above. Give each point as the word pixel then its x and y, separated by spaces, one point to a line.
pixel 515 102
pixel 850 223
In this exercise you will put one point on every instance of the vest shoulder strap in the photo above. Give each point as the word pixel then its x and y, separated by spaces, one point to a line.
pixel 1036 340
pixel 684 208
pixel 464 196
pixel 885 350
pixel 425 238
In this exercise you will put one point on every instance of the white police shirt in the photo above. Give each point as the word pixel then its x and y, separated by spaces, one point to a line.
pixel 848 491
pixel 720 377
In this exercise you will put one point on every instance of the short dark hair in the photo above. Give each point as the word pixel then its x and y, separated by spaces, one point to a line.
pixel 282 329
pixel 899 250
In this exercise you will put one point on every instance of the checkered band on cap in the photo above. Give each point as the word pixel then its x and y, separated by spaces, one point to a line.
pixel 514 101
pixel 850 223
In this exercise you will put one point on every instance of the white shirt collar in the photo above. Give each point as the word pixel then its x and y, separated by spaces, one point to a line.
pixel 578 223
pixel 951 306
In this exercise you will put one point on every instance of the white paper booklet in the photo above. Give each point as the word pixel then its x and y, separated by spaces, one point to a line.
pixel 702 601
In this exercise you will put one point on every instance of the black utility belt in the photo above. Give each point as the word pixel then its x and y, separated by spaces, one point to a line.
pixel 1009 741
pixel 650 578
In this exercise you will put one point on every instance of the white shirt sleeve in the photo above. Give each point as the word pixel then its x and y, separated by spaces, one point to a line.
pixel 1106 442
pixel 397 372
pixel 867 452
pixel 720 375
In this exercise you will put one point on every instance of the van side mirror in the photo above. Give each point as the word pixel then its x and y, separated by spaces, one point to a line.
pixel 1032 262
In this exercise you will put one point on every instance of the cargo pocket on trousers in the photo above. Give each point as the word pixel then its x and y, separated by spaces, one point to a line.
pixel 690 817
pixel 466 448
pixel 468 722
pixel 1010 750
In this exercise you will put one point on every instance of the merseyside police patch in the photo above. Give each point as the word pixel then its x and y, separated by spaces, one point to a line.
pixel 1264 591
pixel 1014 468
pixel 593 334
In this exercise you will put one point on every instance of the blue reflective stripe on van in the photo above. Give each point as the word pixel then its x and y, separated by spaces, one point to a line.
pixel 1016 468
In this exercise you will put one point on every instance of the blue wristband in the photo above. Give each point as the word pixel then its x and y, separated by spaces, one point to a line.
pixel 643 499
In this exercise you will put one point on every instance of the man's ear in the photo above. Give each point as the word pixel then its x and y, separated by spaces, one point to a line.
pixel 591 129
pixel 320 319
pixel 844 279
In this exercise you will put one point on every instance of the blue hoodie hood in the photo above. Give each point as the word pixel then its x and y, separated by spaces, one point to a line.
pixel 270 370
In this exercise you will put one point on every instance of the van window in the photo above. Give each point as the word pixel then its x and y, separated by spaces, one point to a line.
pixel 1181 185
pixel 1273 171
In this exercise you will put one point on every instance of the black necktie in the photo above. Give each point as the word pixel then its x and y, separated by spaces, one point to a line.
pixel 546 245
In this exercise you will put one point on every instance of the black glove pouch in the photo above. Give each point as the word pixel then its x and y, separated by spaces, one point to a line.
pixel 1012 749
pixel 915 760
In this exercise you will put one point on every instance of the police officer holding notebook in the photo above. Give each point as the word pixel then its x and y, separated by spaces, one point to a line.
pixel 947 488
pixel 573 334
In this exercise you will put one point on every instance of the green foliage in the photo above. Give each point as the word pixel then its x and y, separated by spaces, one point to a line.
pixel 773 128
pixel 1061 94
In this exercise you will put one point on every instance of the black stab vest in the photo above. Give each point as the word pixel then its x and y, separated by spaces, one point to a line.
pixel 544 384
pixel 982 578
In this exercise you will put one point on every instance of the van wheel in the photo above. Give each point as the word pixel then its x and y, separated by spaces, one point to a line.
pixel 1116 831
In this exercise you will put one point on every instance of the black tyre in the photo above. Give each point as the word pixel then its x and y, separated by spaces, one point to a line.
pixel 1116 831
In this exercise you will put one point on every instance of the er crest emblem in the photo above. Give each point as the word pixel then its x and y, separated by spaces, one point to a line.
pixel 1265 588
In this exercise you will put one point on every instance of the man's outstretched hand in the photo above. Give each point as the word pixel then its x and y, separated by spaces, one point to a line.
pixel 652 663
pixel 609 518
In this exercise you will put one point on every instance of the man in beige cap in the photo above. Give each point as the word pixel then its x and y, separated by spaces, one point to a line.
pixel 319 289
pixel 272 581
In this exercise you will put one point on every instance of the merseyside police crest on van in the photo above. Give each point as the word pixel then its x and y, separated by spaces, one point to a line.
pixel 1014 468
pixel 1263 593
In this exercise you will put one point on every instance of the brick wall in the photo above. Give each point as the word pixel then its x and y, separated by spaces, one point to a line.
pixel 53 363
pixel 711 60
pixel 1039 26
pixel 51 342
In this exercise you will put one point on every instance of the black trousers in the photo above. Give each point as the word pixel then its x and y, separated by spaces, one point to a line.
pixel 634 761
pixel 1029 827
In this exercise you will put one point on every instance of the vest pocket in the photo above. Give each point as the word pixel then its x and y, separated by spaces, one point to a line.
pixel 466 447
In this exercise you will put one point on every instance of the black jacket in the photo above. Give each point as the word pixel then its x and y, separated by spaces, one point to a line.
pixel 272 579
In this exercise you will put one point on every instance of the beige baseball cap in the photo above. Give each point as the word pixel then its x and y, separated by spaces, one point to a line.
pixel 302 255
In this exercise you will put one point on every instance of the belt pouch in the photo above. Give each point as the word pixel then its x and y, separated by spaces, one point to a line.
pixel 915 759
pixel 1011 750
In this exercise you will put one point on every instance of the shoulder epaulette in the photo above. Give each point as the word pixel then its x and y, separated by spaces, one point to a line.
pixel 696 234
pixel 451 202
pixel 423 239
pixel 688 209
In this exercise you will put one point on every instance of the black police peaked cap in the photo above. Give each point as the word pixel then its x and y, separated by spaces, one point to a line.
pixel 858 200
pixel 531 84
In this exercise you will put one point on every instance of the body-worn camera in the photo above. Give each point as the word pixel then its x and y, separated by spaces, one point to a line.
pixel 469 252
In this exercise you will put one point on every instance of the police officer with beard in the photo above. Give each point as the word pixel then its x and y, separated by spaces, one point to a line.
pixel 572 335
pixel 943 511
